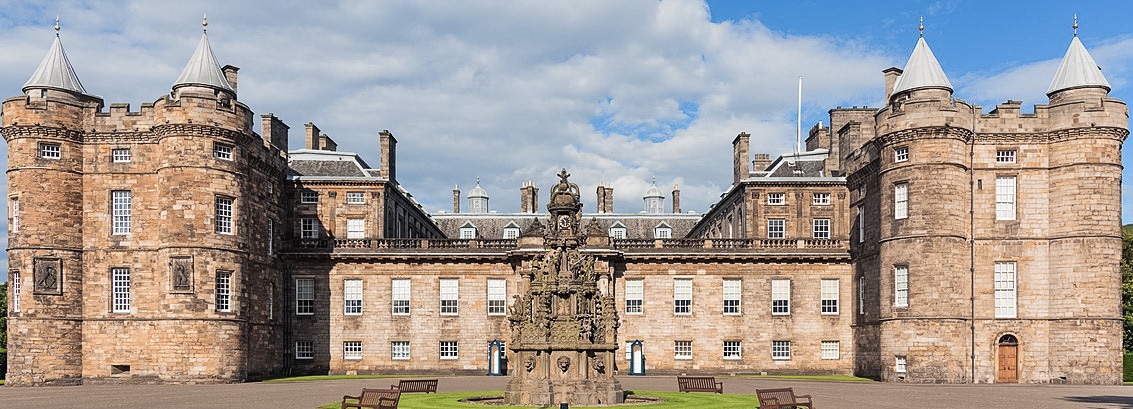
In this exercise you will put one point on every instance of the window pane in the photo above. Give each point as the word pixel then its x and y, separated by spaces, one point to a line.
pixel 776 228
pixel 223 291
pixel 121 203
pixel 901 286
pixel 497 296
pixel 304 296
pixel 1005 198
pixel 829 294
pixel 822 228
pixel 355 228
pixel 682 296
pixel 400 296
pixel 223 215
pixel 780 297
pixel 1005 289
pixel 449 291
pixel 121 289
pixel 732 296
pixel 900 200
pixel 352 297
pixel 634 295
pixel 352 350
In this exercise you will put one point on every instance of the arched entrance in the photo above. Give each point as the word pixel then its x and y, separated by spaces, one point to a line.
pixel 1007 361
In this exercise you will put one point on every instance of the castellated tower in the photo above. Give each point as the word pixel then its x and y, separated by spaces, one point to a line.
pixel 143 240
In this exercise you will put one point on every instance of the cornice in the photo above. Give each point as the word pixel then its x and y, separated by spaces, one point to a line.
pixel 25 131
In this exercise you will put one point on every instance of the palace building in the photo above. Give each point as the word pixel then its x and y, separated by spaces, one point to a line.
pixel 924 241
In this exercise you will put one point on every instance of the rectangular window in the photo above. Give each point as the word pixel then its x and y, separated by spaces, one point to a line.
pixel 271 237
pixel 120 285
pixel 899 366
pixel 400 288
pixel 1005 156
pixel 271 301
pixel 618 232
pixel 224 215
pixel 15 227
pixel 776 199
pixel 354 198
pixel 635 295
pixel 450 290
pixel 308 196
pixel 121 203
pixel 399 349
pixel 448 349
pixel 900 201
pixel 222 151
pixel 901 286
pixel 733 350
pixel 861 295
pixel 780 297
pixel 355 228
pixel 780 349
pixel 822 228
pixel 467 233
pixel 352 350
pixel 50 151
pixel 15 291
pixel 511 232
pixel 861 224
pixel 497 296
pixel 307 229
pixel 120 155
pixel 682 350
pixel 732 292
pixel 224 291
pixel 682 296
pixel 901 154
pixel 776 228
pixel 304 350
pixel 1004 198
pixel 831 350
pixel 352 297
pixel 829 293
pixel 662 233
pixel 821 199
pixel 304 296
pixel 1005 289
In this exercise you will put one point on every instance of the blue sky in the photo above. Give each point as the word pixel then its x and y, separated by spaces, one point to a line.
pixel 620 92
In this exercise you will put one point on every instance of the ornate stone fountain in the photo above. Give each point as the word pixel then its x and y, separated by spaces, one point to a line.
pixel 564 322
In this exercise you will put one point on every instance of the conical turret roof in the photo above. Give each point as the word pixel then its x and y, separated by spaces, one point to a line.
pixel 1077 70
pixel 55 71
pixel 922 71
pixel 202 69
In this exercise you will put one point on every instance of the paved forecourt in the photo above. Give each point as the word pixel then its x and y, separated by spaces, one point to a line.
pixel 827 395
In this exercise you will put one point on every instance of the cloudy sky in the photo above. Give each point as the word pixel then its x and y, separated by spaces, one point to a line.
pixel 622 92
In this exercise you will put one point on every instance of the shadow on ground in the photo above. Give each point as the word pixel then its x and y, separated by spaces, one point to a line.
pixel 1126 402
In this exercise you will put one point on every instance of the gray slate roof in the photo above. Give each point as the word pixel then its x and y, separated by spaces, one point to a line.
pixel 1077 69
pixel 55 71
pixel 202 69
pixel 638 226
pixel 922 71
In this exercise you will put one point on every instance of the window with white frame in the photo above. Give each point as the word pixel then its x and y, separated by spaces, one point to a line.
pixel 450 288
pixel 15 227
pixel 629 350
pixel 15 275
pixel 682 296
pixel 829 294
pixel 732 290
pixel 821 199
pixel 448 349
pixel 355 228
pixel 831 350
pixel 780 297
pixel 121 202
pixel 776 228
pixel 120 286
pixel 400 289
pixel 497 296
pixel 308 196
pixel 352 350
pixel 682 350
pixel 50 151
pixel 861 191
pixel 662 233
pixel 399 349
pixel 467 233
pixel 271 237
pixel 355 198
pixel 1005 289
pixel 308 229
pixel 224 215
pixel 776 199
pixel 1004 198
pixel 352 297
pixel 511 232
pixel 821 228
pixel 618 232
pixel 780 349
pixel 861 295
pixel 222 151
pixel 899 365
pixel 900 200
pixel 271 301
pixel 304 350
pixel 901 286
pixel 861 224
pixel 635 295
pixel 901 154
pixel 120 155
pixel 224 291
pixel 304 296
pixel 733 350
pixel 1004 156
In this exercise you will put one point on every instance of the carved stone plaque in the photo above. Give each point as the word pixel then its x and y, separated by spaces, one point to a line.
pixel 48 276
pixel 181 274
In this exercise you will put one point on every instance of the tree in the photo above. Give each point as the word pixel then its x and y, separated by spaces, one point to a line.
pixel 1127 284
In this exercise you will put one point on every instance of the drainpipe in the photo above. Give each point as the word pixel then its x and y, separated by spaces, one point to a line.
pixel 972 240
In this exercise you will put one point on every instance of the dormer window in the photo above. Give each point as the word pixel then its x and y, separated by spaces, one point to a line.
pixel 663 231
pixel 618 230
pixel 776 199
pixel 468 231
pixel 511 230
pixel 901 154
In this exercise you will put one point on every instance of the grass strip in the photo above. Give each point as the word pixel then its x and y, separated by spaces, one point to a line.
pixel 673 400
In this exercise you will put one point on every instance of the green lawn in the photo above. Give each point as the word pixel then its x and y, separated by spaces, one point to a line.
pixel 336 377
pixel 838 378
pixel 673 400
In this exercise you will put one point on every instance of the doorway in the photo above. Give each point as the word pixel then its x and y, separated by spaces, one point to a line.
pixel 1007 363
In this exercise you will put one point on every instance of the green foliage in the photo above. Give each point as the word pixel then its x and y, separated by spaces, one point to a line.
pixel 1127 287
pixel 1128 375
pixel 334 377
pixel 672 400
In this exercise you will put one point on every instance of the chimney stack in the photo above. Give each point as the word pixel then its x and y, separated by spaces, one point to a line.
pixel 312 140
pixel 676 198
pixel 230 75
pixel 528 198
pixel 456 198
pixel 761 161
pixel 739 157
pixel 388 155
pixel 605 198
pixel 891 75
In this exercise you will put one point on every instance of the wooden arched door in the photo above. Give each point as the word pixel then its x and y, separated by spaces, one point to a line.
pixel 1007 360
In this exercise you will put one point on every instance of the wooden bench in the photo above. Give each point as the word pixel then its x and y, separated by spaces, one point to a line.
pixel 416 385
pixel 372 399
pixel 782 398
pixel 699 384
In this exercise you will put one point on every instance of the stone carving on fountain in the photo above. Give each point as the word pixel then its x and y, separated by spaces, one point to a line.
pixel 564 322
